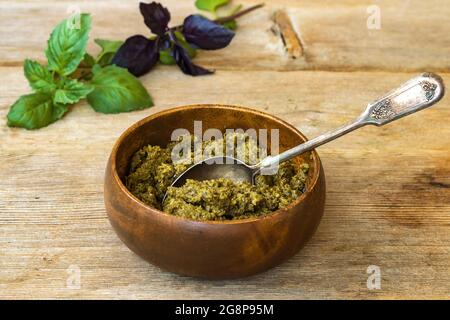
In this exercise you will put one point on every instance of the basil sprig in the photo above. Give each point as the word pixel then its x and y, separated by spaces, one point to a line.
pixel 72 75
pixel 178 44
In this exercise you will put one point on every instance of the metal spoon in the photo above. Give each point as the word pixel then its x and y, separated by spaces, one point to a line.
pixel 418 93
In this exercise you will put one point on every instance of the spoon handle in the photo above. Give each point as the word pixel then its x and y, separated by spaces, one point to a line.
pixel 418 93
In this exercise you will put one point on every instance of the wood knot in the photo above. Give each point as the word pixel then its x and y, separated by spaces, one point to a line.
pixel 283 27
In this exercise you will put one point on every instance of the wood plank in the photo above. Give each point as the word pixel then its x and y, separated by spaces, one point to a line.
pixel 388 200
pixel 414 34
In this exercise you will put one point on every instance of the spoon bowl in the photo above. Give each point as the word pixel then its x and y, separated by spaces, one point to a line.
pixel 215 168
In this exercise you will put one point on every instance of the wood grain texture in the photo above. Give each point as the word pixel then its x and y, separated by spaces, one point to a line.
pixel 388 189
pixel 413 36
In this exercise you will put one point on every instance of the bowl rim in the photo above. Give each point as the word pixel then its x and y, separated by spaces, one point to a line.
pixel 133 127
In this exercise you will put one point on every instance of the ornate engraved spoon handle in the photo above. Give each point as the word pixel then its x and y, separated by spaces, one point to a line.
pixel 418 93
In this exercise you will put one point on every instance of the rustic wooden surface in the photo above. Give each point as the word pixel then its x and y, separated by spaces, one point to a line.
pixel 388 200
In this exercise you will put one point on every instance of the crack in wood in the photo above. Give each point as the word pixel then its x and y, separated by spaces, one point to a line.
pixel 440 184
pixel 283 27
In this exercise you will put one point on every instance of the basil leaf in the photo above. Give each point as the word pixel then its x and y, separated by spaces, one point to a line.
pixel 210 5
pixel 96 68
pixel 88 60
pixel 165 57
pixel 205 33
pixel 232 25
pixel 184 62
pixel 166 48
pixel 35 111
pixel 116 90
pixel 165 42
pixel 156 17
pixel 39 77
pixel 109 49
pixel 67 44
pixel 72 92
pixel 138 54
pixel 182 41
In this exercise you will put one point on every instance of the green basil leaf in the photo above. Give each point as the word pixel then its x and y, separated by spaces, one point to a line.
pixel 106 59
pixel 39 77
pixel 96 68
pixel 232 25
pixel 109 49
pixel 116 90
pixel 165 57
pixel 72 92
pixel 67 44
pixel 210 5
pixel 88 60
pixel 35 111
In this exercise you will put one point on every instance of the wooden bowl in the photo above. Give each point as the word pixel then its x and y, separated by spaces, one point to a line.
pixel 213 249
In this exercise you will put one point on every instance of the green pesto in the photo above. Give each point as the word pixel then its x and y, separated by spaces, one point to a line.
pixel 152 172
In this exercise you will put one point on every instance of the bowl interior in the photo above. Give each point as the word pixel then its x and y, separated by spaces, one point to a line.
pixel 158 128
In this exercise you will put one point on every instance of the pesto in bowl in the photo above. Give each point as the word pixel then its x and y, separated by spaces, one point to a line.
pixel 152 171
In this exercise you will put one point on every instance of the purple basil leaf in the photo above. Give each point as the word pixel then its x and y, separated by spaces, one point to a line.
pixel 205 33
pixel 165 42
pixel 156 17
pixel 184 62
pixel 138 54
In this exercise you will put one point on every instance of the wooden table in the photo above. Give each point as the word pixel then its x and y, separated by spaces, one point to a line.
pixel 388 199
